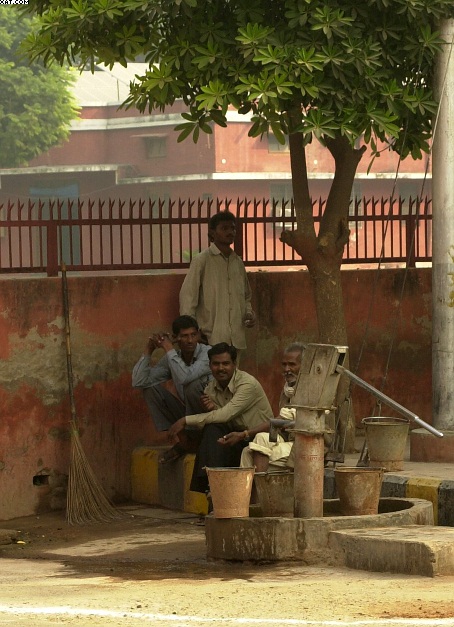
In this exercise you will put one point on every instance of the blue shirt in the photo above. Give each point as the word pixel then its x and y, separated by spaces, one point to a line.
pixel 172 366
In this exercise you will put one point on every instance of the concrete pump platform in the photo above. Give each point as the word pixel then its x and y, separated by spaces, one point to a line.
pixel 411 550
pixel 304 539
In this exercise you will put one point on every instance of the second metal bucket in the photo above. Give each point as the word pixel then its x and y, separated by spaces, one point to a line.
pixel 275 493
pixel 386 439
pixel 359 490
pixel 230 490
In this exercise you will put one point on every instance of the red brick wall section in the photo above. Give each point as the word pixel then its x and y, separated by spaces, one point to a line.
pixel 111 317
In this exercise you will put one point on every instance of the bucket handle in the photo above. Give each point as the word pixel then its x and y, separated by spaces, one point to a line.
pixel 378 419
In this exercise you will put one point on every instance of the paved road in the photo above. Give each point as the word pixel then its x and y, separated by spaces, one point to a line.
pixel 150 568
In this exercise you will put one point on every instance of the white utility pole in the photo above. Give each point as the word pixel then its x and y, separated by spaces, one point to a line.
pixel 443 240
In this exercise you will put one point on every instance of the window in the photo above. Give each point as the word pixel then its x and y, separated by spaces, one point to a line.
pixel 275 146
pixel 155 146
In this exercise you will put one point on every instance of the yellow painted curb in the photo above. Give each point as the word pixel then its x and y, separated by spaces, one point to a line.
pixel 424 488
pixel 194 502
pixel 144 475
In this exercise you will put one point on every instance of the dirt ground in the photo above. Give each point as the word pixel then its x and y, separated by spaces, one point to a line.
pixel 151 568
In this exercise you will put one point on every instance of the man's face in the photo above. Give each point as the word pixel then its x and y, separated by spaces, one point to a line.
pixel 187 339
pixel 291 363
pixel 222 368
pixel 224 233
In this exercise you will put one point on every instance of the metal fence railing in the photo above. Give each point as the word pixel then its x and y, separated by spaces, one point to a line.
pixel 143 235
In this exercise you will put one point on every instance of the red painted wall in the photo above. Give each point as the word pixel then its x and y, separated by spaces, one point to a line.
pixel 111 318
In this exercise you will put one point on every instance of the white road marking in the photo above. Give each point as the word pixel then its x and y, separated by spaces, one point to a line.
pixel 203 620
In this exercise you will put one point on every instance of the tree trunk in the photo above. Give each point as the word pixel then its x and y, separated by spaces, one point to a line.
pixel 322 253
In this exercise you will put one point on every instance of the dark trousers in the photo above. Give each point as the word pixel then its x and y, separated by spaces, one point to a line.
pixel 165 408
pixel 211 454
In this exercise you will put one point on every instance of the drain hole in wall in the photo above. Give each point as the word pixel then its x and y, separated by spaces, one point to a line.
pixel 41 480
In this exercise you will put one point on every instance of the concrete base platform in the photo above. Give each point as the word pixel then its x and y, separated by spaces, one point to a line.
pixel 413 550
pixel 304 539
pixel 424 447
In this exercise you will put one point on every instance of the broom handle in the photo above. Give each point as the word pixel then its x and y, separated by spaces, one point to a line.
pixel 69 366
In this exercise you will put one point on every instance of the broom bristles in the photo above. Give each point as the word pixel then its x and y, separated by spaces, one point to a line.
pixel 86 500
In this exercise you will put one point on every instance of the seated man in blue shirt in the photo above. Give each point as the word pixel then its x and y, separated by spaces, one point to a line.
pixel 188 368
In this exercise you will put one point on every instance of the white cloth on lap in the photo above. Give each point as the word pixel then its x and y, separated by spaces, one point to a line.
pixel 277 452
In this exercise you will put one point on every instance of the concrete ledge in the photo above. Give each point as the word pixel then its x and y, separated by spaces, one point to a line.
pixel 412 550
pixel 307 540
pixel 440 493
pixel 166 485
pixel 424 447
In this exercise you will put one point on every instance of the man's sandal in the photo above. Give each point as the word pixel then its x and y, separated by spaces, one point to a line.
pixel 172 454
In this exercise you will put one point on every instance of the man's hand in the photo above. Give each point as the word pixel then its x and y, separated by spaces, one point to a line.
pixel 175 429
pixel 249 319
pixel 151 345
pixel 159 340
pixel 166 342
pixel 232 438
pixel 207 402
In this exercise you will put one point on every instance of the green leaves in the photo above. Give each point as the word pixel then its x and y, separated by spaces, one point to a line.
pixel 36 104
pixel 330 21
pixel 213 96
pixel 196 122
pixel 321 124
pixel 344 68
pixel 160 82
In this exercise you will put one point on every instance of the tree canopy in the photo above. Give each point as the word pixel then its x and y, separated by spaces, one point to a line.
pixel 320 67
pixel 343 72
pixel 36 104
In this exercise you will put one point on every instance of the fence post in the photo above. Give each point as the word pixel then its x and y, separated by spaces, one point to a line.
pixel 410 243
pixel 238 244
pixel 52 248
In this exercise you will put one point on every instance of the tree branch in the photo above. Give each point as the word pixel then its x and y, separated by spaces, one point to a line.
pixel 334 232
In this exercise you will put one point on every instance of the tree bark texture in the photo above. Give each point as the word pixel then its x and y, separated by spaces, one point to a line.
pixel 322 252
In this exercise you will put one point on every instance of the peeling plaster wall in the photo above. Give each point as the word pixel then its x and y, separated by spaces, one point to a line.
pixel 111 318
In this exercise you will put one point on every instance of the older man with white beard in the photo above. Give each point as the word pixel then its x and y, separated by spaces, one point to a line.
pixel 263 452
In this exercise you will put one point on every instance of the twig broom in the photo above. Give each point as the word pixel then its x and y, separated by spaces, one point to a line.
pixel 86 501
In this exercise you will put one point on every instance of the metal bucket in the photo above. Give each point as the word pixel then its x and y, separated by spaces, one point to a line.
pixel 275 493
pixel 230 491
pixel 358 490
pixel 386 439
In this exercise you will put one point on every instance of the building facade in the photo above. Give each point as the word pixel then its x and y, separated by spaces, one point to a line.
pixel 116 153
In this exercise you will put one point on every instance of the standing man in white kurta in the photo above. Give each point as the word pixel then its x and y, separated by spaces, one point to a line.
pixel 216 290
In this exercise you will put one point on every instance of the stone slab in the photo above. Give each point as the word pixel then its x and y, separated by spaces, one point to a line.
pixel 412 550
pixel 425 447
pixel 445 514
